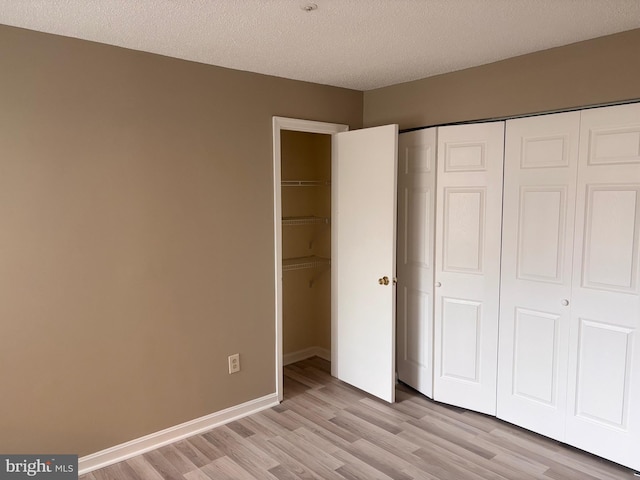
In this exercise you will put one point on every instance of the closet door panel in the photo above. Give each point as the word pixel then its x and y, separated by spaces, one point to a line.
pixel 610 240
pixel 467 269
pixel 604 343
pixel 541 156
pixel 464 224
pixel 416 218
pixel 541 224
pixel 602 393
pixel 535 358
pixel 461 327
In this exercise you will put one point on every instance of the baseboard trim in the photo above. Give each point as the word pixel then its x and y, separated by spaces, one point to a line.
pixel 294 357
pixel 169 435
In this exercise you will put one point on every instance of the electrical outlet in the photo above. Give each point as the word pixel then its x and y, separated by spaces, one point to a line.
pixel 234 363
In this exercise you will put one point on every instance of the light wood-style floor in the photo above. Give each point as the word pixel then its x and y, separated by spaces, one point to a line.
pixel 326 429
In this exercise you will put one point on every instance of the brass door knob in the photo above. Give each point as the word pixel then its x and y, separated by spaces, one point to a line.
pixel 384 280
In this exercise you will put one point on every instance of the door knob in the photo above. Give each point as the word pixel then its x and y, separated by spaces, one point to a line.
pixel 564 302
pixel 438 284
pixel 384 280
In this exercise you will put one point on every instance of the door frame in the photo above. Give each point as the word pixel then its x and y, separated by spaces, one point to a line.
pixel 297 125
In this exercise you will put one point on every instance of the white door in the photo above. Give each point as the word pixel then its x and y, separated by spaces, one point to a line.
pixel 467 276
pixel 541 158
pixel 363 259
pixel 604 350
pixel 416 222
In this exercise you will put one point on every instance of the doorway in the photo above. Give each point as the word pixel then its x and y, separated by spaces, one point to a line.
pixel 302 195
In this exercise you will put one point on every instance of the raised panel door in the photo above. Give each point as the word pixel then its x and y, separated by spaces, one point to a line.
pixel 541 156
pixel 416 212
pixel 467 264
pixel 604 341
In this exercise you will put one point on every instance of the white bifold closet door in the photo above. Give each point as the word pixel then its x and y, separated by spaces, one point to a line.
pixel 604 340
pixel 467 266
pixel 541 159
pixel 416 222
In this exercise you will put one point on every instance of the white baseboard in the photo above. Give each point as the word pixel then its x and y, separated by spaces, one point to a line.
pixel 294 357
pixel 159 439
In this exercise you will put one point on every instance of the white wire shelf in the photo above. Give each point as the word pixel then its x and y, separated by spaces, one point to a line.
pixel 301 263
pixel 309 220
pixel 305 183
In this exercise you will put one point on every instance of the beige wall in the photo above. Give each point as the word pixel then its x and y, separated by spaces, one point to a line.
pixel 603 70
pixel 136 238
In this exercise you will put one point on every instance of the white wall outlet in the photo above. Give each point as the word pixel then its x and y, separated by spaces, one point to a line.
pixel 234 363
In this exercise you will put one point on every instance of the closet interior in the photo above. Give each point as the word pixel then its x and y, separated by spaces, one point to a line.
pixel 306 244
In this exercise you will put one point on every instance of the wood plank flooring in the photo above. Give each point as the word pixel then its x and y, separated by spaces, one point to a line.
pixel 325 429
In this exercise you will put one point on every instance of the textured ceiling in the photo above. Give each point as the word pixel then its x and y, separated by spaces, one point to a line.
pixel 359 44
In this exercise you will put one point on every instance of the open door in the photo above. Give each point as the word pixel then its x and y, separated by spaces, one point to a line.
pixel 363 259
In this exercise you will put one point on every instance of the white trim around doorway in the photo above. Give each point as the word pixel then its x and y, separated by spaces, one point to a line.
pixel 279 124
